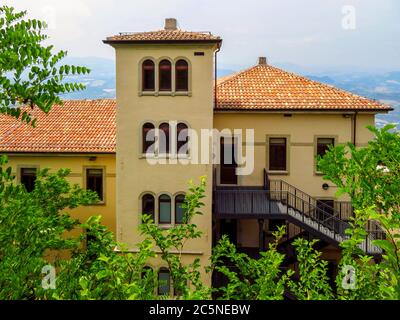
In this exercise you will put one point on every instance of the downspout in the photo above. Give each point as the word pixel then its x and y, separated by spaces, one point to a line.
pixel 355 128
pixel 215 75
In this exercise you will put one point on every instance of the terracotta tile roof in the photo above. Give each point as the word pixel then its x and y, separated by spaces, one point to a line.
pixel 81 126
pixel 264 87
pixel 164 36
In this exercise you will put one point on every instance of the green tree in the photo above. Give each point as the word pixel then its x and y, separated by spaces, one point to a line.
pixel 97 270
pixel 31 224
pixel 248 278
pixel 312 282
pixel 370 176
pixel 31 74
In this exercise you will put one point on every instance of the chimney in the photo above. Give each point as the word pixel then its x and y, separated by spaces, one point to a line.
pixel 170 24
pixel 262 60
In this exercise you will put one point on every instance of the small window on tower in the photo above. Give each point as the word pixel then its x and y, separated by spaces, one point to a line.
pixel 148 78
pixel 148 138
pixel 182 75
pixel 165 76
pixel 182 136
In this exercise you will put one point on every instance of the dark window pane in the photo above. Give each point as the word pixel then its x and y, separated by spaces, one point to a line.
pixel 148 205
pixel 277 154
pixel 179 211
pixel 148 80
pixel 164 282
pixel 323 145
pixel 94 181
pixel 182 138
pixel 165 75
pixel 164 209
pixel 28 178
pixel 182 75
pixel 148 136
pixel 164 138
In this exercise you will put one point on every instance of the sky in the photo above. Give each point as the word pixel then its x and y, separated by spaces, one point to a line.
pixel 358 34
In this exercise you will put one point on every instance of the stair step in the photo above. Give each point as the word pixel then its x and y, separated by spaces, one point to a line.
pixel 369 248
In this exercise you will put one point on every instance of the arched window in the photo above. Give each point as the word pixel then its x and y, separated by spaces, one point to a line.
pixel 148 138
pixel 164 281
pixel 148 205
pixel 165 75
pixel 148 78
pixel 182 136
pixel 181 75
pixel 179 211
pixel 164 209
pixel 163 140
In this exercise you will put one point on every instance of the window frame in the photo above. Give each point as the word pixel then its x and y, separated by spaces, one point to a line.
pixel 142 205
pixel 22 167
pixel 171 75
pixel 143 142
pixel 85 171
pixel 165 271
pixel 178 143
pixel 154 75
pixel 168 141
pixel 166 223
pixel 316 137
pixel 176 75
pixel 175 207
pixel 157 92
pixel 268 153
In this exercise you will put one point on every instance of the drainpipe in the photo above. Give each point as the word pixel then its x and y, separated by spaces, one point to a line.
pixel 355 128
pixel 215 75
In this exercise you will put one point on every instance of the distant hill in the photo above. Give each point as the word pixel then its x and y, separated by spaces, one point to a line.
pixel 382 86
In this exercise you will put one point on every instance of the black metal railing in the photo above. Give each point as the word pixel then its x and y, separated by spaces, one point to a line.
pixel 262 203
pixel 280 198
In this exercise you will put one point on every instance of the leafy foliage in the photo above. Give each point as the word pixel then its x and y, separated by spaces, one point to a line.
pixel 99 271
pixel 312 282
pixel 248 278
pixel 370 176
pixel 186 278
pixel 31 224
pixel 30 73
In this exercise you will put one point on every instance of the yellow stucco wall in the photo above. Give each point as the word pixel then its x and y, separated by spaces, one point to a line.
pixel 135 176
pixel 301 130
pixel 77 164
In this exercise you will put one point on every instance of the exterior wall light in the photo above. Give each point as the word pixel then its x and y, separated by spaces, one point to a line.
pixel 325 186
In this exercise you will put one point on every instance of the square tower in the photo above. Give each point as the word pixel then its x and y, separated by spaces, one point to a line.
pixel 164 85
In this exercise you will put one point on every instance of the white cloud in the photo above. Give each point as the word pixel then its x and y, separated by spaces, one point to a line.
pixel 97 83
pixel 382 89
pixel 393 82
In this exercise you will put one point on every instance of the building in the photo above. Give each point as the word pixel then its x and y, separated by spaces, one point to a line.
pixel 166 87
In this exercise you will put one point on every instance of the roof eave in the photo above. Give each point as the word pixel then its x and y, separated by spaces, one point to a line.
pixel 302 110
pixel 211 41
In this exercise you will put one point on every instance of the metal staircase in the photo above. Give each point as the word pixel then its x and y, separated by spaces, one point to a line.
pixel 280 200
pixel 319 219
